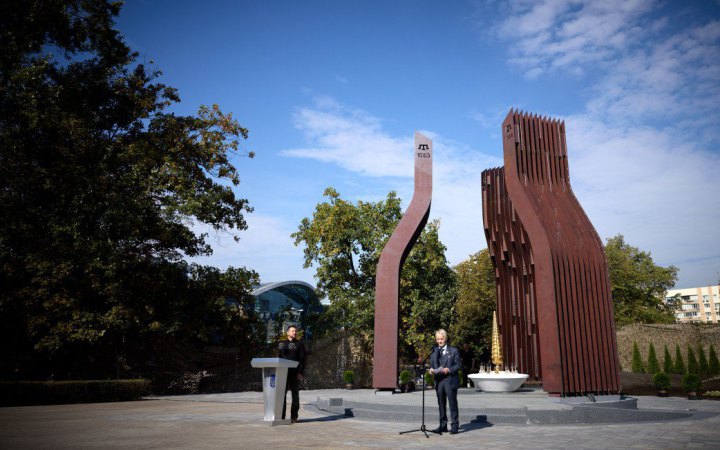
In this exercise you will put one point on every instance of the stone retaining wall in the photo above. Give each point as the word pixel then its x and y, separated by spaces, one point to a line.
pixel 685 334
pixel 332 356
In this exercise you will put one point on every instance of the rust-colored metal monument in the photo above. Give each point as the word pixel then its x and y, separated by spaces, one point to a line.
pixel 553 292
pixel 387 283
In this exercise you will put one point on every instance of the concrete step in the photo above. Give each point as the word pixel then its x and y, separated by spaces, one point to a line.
pixel 572 415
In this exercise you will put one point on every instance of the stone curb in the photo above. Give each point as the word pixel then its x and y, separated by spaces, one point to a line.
pixel 576 414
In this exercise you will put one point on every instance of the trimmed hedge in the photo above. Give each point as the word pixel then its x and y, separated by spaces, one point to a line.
pixel 661 380
pixel 348 377
pixel 691 382
pixel 429 379
pixel 637 363
pixel 25 393
pixel 667 361
pixel 653 366
pixel 679 367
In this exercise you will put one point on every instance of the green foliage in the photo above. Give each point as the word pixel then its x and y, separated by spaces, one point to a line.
pixel 344 241
pixel 429 379
pixel 653 366
pixel 661 380
pixel 691 382
pixel 638 285
pixel 667 360
pixel 476 302
pixel 679 367
pixel 405 376
pixel 99 187
pixel 703 367
pixel 693 366
pixel 713 364
pixel 348 377
pixel 637 363
pixel 428 293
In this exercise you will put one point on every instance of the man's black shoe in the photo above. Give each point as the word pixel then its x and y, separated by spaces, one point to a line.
pixel 439 430
pixel 453 431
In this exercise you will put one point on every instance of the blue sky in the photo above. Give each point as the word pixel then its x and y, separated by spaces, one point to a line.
pixel 332 92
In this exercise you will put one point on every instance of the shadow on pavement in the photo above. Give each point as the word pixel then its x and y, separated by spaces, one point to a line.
pixel 325 418
pixel 474 426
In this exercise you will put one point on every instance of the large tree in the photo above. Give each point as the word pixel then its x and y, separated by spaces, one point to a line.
pixel 476 302
pixel 344 241
pixel 99 187
pixel 638 284
pixel 428 294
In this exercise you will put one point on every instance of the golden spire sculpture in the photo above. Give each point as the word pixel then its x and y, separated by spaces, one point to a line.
pixel 496 349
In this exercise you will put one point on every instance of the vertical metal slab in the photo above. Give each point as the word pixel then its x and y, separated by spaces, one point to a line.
pixel 553 291
pixel 387 283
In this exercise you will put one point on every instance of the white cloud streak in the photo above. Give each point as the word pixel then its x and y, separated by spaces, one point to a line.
pixel 643 154
pixel 552 35
pixel 647 71
pixel 356 141
pixel 352 139
pixel 266 247
pixel 658 191
pixel 675 79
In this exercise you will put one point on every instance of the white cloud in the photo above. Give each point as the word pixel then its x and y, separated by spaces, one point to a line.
pixel 266 247
pixel 553 35
pixel 646 71
pixel 642 154
pixel 457 196
pixel 658 191
pixel 674 78
pixel 356 141
pixel 352 139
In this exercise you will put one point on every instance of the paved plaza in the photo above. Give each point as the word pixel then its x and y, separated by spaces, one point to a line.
pixel 234 421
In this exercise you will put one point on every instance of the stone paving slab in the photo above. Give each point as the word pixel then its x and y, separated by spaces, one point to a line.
pixel 234 421
pixel 529 406
pixel 496 409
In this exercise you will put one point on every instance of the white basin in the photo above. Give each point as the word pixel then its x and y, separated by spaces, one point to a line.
pixel 498 382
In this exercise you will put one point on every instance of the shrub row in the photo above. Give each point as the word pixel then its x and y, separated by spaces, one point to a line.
pixel 25 393
pixel 699 364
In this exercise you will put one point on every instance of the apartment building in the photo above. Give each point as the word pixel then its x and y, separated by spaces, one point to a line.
pixel 696 305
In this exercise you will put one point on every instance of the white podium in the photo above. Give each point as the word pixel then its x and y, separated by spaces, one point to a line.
pixel 274 375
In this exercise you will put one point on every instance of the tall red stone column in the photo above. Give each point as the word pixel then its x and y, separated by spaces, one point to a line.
pixel 387 283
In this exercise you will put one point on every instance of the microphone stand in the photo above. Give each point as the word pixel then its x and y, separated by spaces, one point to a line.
pixel 422 426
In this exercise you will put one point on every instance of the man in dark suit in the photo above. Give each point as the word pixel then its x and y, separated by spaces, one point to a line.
pixel 292 348
pixel 444 365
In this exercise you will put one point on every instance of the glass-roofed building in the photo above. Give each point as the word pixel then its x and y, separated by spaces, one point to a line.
pixel 287 302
